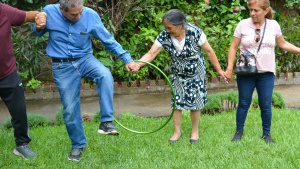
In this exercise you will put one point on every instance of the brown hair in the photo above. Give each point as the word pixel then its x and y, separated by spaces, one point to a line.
pixel 264 4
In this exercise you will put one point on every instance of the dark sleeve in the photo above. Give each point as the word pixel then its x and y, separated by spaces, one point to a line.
pixel 198 34
pixel 162 36
pixel 14 15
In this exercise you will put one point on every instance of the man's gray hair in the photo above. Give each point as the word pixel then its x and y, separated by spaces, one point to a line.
pixel 175 17
pixel 66 4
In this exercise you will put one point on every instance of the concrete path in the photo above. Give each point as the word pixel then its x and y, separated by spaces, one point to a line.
pixel 153 105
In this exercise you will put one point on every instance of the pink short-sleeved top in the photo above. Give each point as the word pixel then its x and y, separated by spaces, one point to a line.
pixel 245 30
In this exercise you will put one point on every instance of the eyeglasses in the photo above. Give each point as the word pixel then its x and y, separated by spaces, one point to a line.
pixel 257 35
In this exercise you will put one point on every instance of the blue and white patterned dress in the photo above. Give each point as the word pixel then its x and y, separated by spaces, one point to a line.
pixel 188 75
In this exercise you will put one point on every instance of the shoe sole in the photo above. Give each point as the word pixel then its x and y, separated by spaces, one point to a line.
pixel 115 133
pixel 73 159
pixel 18 153
pixel 269 141
pixel 236 140
pixel 194 141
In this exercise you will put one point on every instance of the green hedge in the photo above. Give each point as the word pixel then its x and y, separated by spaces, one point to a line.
pixel 227 101
pixel 136 23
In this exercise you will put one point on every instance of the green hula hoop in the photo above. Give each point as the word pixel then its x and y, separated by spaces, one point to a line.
pixel 174 104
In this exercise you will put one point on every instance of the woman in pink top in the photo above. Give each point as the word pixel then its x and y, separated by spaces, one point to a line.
pixel 247 36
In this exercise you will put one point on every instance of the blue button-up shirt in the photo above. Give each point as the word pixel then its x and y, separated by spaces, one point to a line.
pixel 72 39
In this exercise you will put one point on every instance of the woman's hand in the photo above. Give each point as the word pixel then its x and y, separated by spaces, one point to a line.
pixel 228 74
pixel 222 73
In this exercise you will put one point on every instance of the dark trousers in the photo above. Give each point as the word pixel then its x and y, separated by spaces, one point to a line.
pixel 264 85
pixel 12 94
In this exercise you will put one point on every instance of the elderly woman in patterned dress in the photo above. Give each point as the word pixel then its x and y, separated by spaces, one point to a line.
pixel 185 43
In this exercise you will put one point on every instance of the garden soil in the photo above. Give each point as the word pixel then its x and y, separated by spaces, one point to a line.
pixel 147 104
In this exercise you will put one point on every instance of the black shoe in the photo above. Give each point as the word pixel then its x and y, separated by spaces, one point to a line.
pixel 268 139
pixel 75 154
pixel 108 128
pixel 193 141
pixel 237 136
pixel 174 141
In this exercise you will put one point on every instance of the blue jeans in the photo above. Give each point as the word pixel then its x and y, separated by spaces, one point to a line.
pixel 67 76
pixel 264 84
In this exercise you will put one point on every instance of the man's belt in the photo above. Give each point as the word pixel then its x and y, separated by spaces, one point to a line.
pixel 64 59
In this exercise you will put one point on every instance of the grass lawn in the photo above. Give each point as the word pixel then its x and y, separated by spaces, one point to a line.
pixel 136 151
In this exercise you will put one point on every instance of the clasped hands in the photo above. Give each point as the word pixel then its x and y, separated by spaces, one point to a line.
pixel 227 75
pixel 40 20
pixel 133 66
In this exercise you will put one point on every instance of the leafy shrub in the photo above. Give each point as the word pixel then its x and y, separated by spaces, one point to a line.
pixel 96 118
pixel 25 4
pixel 292 4
pixel 287 61
pixel 278 101
pixel 34 120
pixel 135 25
pixel 59 120
pixel 30 55
pixel 6 124
pixel 218 20
pixel 227 101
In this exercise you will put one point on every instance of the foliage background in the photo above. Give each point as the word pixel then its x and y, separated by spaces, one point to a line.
pixel 135 25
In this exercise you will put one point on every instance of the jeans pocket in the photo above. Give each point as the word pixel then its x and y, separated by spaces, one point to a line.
pixel 56 65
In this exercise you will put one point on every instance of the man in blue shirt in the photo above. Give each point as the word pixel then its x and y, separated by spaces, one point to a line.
pixel 70 25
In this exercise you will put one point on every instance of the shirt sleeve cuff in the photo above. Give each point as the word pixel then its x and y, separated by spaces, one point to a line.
pixel 38 33
pixel 126 57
